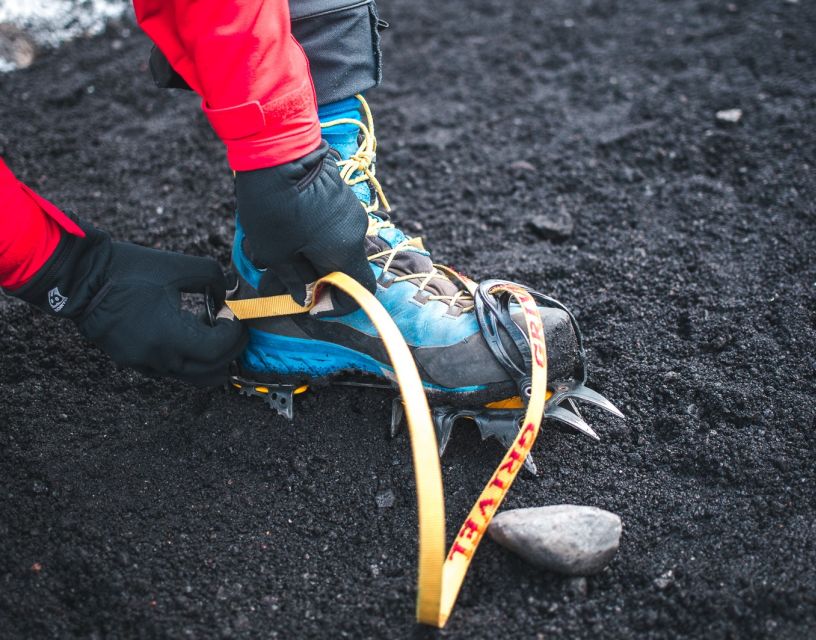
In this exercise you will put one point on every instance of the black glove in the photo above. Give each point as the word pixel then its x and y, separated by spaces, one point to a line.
pixel 302 222
pixel 126 299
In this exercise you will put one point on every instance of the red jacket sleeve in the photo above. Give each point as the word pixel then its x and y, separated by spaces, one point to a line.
pixel 253 76
pixel 30 228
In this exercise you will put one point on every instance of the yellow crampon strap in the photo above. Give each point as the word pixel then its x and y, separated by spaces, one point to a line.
pixel 439 576
pixel 252 308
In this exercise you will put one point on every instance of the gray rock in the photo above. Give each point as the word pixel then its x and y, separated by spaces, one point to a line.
pixel 568 539
pixel 17 49
pixel 552 226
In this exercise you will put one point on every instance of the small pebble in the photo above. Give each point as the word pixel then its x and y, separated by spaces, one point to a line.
pixel 665 580
pixel 17 48
pixel 578 586
pixel 385 499
pixel 552 226
pixel 732 116
pixel 522 165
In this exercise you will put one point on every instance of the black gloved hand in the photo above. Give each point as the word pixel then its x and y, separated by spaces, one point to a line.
pixel 302 222
pixel 126 299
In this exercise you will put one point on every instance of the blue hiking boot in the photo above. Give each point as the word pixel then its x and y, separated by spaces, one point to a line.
pixel 434 310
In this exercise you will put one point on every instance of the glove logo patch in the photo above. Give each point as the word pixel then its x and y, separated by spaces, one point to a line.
pixel 56 300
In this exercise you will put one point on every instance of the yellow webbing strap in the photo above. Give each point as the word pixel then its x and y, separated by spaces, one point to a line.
pixel 251 308
pixel 440 576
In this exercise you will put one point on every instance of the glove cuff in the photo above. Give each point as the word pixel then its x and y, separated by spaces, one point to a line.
pixel 67 282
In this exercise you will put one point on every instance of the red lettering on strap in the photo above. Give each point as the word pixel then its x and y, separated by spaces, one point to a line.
pixel 458 548
pixel 538 354
pixel 497 482
pixel 515 456
pixel 468 529
pixel 535 329
pixel 483 504
pixel 527 429
pixel 522 296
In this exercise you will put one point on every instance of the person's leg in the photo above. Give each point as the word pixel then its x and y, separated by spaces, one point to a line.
pixel 342 42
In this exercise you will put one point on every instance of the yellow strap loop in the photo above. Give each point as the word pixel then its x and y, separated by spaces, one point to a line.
pixel 439 577
pixel 252 308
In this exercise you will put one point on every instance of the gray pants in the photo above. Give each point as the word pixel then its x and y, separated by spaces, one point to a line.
pixel 340 37
pixel 342 41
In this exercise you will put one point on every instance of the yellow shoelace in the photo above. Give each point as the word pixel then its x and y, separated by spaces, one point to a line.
pixel 359 168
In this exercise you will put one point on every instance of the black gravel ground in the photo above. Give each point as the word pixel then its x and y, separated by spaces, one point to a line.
pixel 136 508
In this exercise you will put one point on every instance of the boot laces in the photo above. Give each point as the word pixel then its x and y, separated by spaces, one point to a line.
pixel 361 167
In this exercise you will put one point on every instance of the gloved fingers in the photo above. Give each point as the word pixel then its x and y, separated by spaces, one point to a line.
pixel 208 373
pixel 134 263
pixel 161 339
pixel 354 264
pixel 359 268
pixel 342 248
pixel 216 296
pixel 193 274
pixel 195 341
pixel 295 275
pixel 341 304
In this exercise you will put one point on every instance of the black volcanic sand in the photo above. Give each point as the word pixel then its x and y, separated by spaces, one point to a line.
pixel 139 508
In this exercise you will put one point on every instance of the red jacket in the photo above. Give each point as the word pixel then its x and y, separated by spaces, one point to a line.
pixel 256 91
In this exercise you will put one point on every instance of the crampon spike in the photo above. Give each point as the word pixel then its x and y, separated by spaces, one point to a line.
pixel 580 391
pixel 501 424
pixel 569 418
pixel 504 426
pixel 279 397
pixel 574 408
pixel 397 414
pixel 443 419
